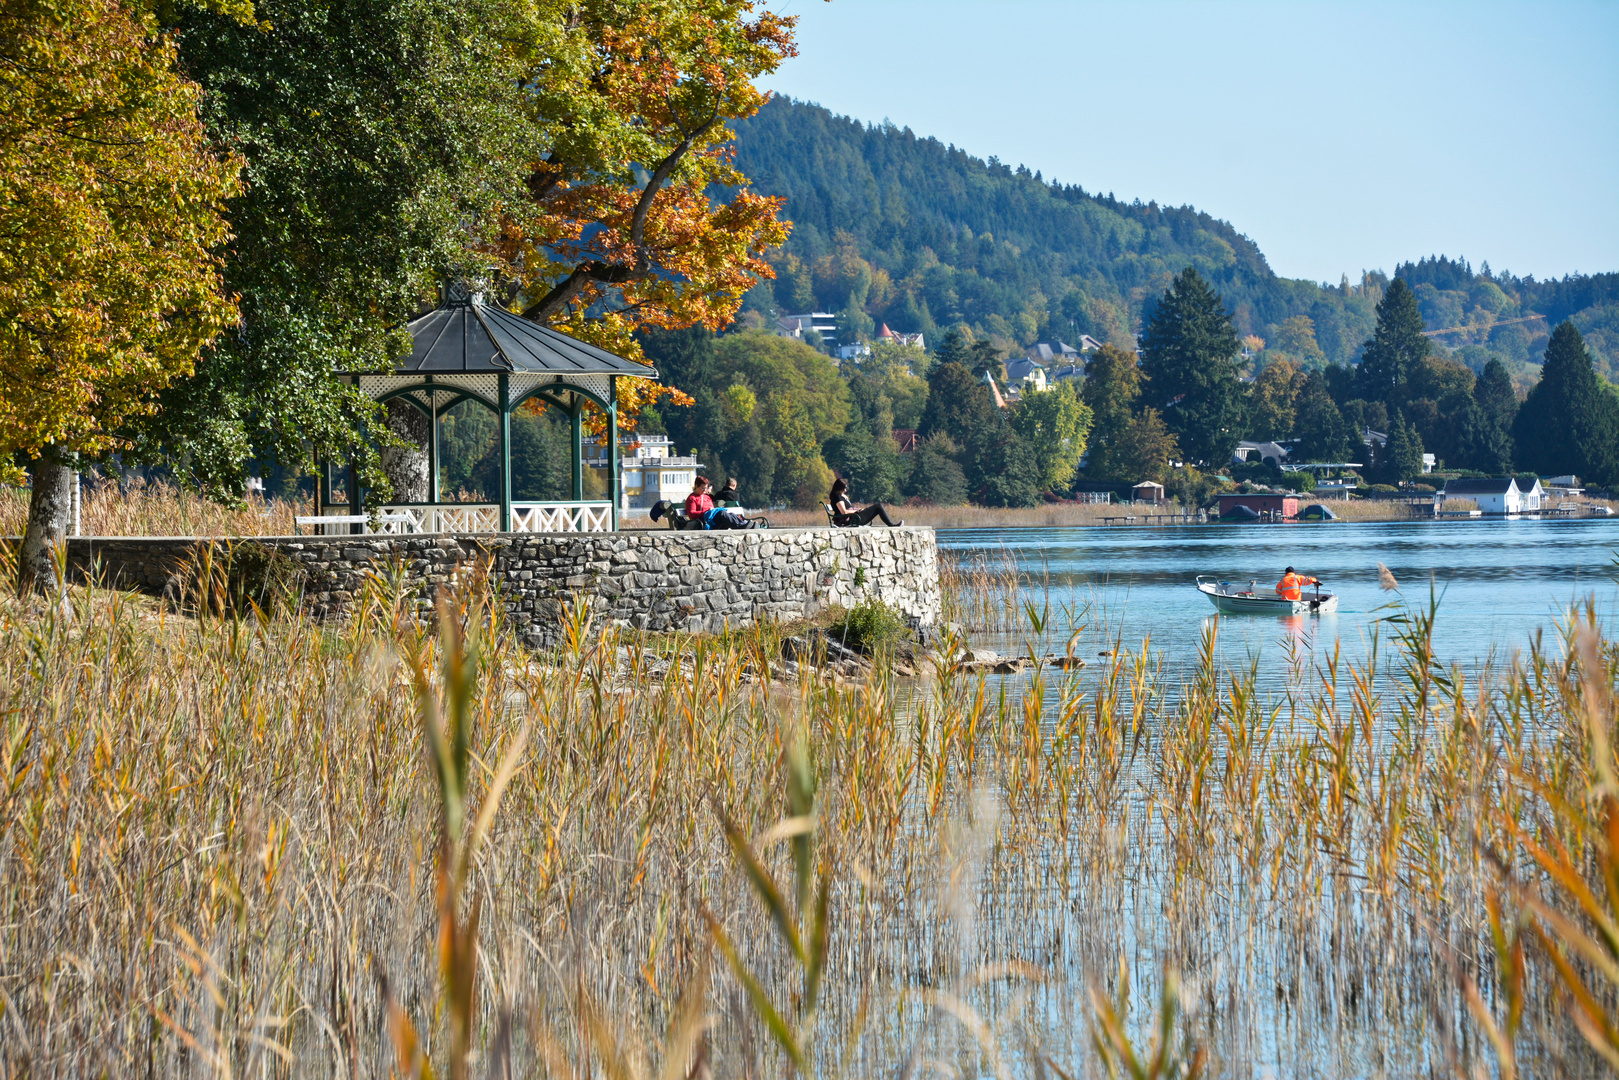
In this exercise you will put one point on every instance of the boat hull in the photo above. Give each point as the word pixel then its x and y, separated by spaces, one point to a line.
pixel 1227 603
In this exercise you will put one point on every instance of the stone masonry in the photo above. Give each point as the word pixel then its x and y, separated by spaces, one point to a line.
pixel 654 579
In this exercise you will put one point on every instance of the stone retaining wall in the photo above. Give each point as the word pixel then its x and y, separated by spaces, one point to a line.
pixel 653 579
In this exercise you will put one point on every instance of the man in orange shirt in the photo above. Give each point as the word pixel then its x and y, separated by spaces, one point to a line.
pixel 1291 587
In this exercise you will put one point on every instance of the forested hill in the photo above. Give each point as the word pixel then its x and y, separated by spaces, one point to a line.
pixel 890 227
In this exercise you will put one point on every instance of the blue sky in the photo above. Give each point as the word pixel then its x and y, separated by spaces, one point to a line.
pixel 1340 137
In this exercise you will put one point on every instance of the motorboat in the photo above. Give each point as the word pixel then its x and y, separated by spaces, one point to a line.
pixel 1237 598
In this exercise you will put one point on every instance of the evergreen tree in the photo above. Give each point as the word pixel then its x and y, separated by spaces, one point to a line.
pixel 1401 458
pixel 1322 433
pixel 957 403
pixel 1570 421
pixel 935 475
pixel 1494 394
pixel 1189 358
pixel 1397 346
pixel 1480 442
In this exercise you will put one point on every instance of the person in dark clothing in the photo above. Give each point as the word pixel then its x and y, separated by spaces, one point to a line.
pixel 844 512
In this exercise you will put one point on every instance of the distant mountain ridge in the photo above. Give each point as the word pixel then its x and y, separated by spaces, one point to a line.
pixel 890 227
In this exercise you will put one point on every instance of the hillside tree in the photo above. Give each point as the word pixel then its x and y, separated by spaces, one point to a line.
pixel 1112 387
pixel 1391 356
pixel 1189 354
pixel 1323 435
pixel 1569 423
pixel 1055 424
pixel 111 205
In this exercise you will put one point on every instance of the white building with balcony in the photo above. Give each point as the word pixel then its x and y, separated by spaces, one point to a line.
pixel 649 469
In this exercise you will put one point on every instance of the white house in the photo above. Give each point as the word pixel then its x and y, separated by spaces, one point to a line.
pixel 1496 495
pixel 859 350
pixel 1258 451
pixel 648 467
pixel 795 326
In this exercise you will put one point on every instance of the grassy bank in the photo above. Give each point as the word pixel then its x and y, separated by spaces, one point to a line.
pixel 241 845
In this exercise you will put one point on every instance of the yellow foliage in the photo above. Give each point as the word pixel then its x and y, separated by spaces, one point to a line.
pixel 111 206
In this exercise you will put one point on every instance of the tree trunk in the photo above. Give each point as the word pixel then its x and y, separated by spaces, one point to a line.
pixel 407 469
pixel 49 508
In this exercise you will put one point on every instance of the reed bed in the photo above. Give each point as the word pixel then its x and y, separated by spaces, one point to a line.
pixel 253 846
pixel 160 509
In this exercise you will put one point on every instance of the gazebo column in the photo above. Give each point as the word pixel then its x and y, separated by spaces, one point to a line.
pixel 432 443
pixel 356 503
pixel 613 483
pixel 504 396
pixel 576 415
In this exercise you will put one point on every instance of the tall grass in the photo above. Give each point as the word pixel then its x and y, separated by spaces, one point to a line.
pixel 251 845
pixel 160 509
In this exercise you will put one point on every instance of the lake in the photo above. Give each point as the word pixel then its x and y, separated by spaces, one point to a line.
pixel 1498 582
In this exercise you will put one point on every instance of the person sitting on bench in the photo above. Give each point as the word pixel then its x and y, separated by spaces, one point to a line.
pixel 700 508
pixel 845 514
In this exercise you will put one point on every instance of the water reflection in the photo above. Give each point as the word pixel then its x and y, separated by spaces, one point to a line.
pixel 1497 584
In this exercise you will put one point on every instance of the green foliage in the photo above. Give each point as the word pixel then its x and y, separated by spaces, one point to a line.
pixel 1400 459
pixel 1390 358
pixel 958 404
pixel 935 475
pixel 372 134
pixel 868 627
pixel 1273 399
pixel 948 239
pixel 762 409
pixel 1322 432
pixel 1112 385
pixel 1570 421
pixel 1055 425
pixel 1189 360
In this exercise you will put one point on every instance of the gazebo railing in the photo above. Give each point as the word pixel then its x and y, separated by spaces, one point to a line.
pixel 527 517
pixel 560 517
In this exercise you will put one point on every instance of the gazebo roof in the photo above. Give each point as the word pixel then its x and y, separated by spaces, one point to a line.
pixel 465 336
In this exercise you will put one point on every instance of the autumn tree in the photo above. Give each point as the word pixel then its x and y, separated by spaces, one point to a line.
pixel 1272 400
pixel 1189 360
pixel 110 205
pixel 1294 339
pixel 1146 449
pixel 631 100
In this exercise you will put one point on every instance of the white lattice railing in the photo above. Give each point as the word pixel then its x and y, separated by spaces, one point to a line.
pixel 527 517
pixel 562 517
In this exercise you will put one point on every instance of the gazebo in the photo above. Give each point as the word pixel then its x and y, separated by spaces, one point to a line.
pixel 467 350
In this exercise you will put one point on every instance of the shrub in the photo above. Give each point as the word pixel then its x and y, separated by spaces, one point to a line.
pixel 867 627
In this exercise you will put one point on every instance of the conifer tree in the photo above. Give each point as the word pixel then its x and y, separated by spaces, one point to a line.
pixel 1396 348
pixel 1570 421
pixel 1401 459
pixel 1189 357
pixel 1322 432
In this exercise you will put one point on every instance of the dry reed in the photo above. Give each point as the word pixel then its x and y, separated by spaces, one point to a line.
pixel 222 851
pixel 160 509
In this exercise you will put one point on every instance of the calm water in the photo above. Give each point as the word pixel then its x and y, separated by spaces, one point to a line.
pixel 1498 582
